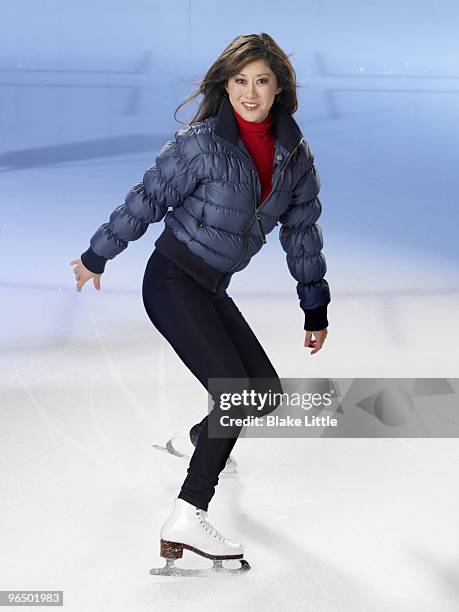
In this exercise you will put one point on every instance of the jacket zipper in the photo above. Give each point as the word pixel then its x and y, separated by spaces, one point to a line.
pixel 281 171
pixel 260 225
pixel 256 215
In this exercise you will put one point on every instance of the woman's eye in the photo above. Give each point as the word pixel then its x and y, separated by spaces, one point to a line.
pixel 242 80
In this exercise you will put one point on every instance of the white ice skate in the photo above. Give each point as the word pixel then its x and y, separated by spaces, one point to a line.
pixel 182 445
pixel 188 528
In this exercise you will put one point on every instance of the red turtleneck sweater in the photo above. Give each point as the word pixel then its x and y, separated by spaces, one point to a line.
pixel 259 140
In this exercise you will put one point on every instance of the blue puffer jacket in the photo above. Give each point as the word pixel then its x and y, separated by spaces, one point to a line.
pixel 206 187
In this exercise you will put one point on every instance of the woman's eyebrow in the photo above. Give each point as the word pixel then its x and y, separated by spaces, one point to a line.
pixel 262 74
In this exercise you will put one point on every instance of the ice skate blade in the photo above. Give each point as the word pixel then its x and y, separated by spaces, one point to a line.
pixel 170 569
pixel 169 448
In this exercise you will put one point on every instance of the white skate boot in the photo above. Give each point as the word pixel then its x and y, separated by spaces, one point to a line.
pixel 188 528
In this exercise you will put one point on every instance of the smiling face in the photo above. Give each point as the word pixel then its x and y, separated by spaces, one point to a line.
pixel 252 91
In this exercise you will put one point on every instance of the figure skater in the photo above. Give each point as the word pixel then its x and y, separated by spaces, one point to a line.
pixel 239 168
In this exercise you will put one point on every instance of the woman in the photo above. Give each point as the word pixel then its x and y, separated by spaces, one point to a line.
pixel 239 168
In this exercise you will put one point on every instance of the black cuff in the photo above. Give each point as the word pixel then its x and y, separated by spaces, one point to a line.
pixel 315 319
pixel 93 262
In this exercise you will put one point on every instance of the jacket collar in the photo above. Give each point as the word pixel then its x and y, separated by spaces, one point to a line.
pixel 285 128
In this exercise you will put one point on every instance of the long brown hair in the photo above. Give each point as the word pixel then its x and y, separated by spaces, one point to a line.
pixel 242 50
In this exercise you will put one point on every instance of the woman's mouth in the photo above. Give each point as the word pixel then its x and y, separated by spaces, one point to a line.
pixel 250 107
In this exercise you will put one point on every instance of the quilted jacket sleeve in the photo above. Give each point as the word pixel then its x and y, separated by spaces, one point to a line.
pixel 301 239
pixel 173 176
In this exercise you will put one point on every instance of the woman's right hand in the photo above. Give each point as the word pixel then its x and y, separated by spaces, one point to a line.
pixel 319 339
pixel 82 274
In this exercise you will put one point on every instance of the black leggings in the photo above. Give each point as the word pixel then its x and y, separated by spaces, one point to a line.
pixel 212 338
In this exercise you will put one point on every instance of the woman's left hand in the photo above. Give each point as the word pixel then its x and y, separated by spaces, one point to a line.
pixel 319 339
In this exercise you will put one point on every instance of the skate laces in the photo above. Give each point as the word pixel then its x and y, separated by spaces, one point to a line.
pixel 208 526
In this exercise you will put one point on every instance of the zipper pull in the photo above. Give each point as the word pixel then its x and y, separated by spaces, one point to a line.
pixel 261 229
